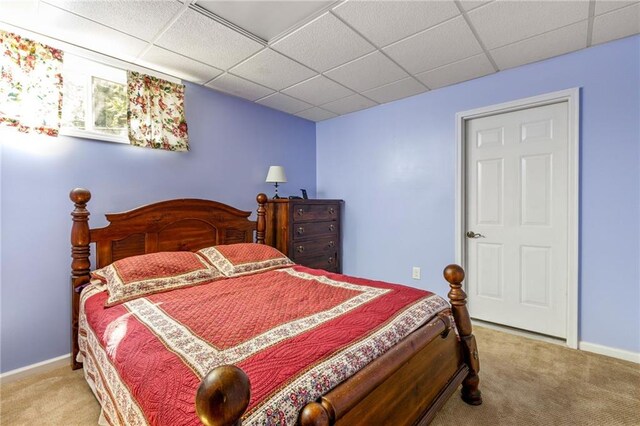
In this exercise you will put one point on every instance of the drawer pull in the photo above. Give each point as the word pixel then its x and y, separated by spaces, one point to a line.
pixel 330 260
pixel 332 228
pixel 300 212
pixel 300 249
pixel 331 244
pixel 300 230
pixel 332 210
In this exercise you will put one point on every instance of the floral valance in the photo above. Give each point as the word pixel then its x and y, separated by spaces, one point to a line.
pixel 30 85
pixel 156 116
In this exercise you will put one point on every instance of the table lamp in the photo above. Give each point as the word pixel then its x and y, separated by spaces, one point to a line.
pixel 276 175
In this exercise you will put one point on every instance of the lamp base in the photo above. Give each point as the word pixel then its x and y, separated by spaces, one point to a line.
pixel 276 197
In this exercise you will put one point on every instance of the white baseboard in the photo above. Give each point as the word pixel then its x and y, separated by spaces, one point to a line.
pixel 609 351
pixel 37 368
pixel 519 332
pixel 583 346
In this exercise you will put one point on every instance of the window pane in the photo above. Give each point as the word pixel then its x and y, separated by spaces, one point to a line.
pixel 109 107
pixel 74 102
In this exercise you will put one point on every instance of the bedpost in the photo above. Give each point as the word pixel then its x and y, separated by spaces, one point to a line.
pixel 454 274
pixel 223 396
pixel 80 265
pixel 262 221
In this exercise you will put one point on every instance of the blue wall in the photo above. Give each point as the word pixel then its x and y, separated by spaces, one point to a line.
pixel 395 167
pixel 233 142
pixel 393 164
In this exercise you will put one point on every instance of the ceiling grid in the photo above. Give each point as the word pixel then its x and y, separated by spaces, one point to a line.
pixel 463 12
pixel 592 12
pixel 379 50
pixel 323 58
pixel 166 27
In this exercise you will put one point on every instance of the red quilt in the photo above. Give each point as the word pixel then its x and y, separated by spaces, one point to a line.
pixel 296 332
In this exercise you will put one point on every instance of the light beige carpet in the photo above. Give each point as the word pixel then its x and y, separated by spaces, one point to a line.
pixel 524 382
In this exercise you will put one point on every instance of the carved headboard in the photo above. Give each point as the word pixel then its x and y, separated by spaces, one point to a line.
pixel 173 225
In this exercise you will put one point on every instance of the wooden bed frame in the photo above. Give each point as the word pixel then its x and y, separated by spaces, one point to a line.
pixel 405 386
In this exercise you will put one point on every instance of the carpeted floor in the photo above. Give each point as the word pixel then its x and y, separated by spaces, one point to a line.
pixel 524 382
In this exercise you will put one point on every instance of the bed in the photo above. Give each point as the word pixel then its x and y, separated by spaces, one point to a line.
pixel 408 374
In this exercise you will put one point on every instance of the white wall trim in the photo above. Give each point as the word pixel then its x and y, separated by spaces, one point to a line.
pixel 609 351
pixel 37 368
pixel 518 332
pixel 572 97
pixel 583 346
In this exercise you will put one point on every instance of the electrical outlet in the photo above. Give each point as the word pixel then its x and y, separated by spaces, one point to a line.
pixel 415 274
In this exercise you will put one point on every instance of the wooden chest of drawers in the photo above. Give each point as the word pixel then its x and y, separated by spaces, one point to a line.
pixel 307 231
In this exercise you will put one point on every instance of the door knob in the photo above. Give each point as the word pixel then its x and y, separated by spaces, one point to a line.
pixel 472 234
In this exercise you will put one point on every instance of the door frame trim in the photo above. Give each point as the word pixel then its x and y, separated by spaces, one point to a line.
pixel 572 97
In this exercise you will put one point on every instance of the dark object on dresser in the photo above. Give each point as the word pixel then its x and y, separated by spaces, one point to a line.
pixel 307 231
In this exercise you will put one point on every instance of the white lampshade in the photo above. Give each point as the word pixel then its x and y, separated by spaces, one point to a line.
pixel 276 174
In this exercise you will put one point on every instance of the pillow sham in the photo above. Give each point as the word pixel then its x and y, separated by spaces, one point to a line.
pixel 234 260
pixel 147 274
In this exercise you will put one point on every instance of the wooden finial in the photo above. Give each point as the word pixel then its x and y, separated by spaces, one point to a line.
pixel 454 274
pixel 313 414
pixel 223 396
pixel 80 196
pixel 262 221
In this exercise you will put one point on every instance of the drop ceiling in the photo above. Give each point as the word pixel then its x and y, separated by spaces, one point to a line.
pixel 322 59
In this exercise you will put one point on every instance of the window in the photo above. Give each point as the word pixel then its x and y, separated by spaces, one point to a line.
pixel 95 101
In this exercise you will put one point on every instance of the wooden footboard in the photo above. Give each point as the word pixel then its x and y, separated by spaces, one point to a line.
pixel 405 386
pixel 415 386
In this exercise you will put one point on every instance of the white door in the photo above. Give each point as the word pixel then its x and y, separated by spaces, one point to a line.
pixel 516 218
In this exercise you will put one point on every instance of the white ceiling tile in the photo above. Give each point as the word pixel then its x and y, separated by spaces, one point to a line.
pixel 468 5
pixel 503 22
pixel 266 19
pixel 19 12
pixel 437 46
pixel 349 104
pixel 466 69
pixel 397 90
pixel 553 43
pixel 201 38
pixel 383 22
pixel 142 19
pixel 171 63
pixel 240 87
pixel 316 114
pixel 617 24
pixel 324 43
pixel 273 70
pixel 318 90
pixel 284 103
pixel 370 71
pixel 604 6
pixel 70 28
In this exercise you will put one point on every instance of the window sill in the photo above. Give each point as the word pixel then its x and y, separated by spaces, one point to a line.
pixel 92 135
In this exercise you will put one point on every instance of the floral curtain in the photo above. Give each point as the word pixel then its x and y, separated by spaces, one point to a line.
pixel 156 113
pixel 30 85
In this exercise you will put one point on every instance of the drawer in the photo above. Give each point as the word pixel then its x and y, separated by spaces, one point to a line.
pixel 312 229
pixel 305 212
pixel 317 247
pixel 328 262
